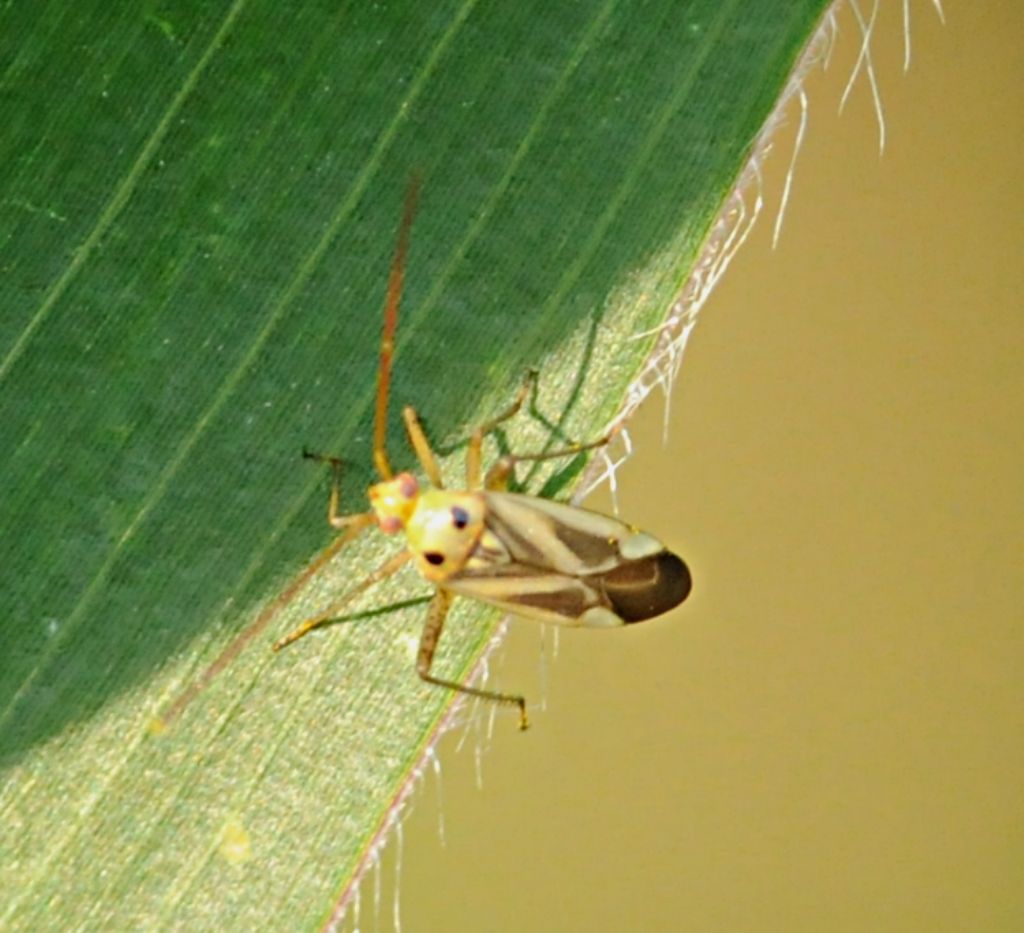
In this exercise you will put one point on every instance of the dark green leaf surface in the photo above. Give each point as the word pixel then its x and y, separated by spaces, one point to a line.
pixel 198 204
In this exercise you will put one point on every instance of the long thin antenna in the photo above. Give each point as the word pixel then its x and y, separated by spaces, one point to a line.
pixel 387 338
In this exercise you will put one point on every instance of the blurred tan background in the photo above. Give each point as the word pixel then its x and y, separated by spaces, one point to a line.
pixel 828 735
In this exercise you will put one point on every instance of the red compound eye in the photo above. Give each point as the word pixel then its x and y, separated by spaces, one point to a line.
pixel 408 486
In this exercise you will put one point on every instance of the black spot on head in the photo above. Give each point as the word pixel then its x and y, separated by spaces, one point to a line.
pixel 433 557
pixel 460 517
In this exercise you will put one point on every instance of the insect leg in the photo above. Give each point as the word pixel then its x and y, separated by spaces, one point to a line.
pixel 336 520
pixel 420 444
pixel 385 570
pixel 436 614
pixel 476 440
pixel 498 475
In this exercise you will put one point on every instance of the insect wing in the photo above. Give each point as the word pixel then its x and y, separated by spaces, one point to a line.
pixel 572 566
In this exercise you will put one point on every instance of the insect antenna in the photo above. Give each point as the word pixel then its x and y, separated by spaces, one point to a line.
pixel 387 338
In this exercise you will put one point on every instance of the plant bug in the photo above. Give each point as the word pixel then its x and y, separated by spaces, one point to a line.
pixel 531 556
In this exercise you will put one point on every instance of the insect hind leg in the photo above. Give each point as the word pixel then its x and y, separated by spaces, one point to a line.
pixel 501 471
pixel 436 615
pixel 385 570
pixel 474 452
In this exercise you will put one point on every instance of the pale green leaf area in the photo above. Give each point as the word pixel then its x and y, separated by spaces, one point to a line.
pixel 198 206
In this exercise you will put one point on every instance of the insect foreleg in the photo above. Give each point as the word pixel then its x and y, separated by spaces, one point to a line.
pixel 436 614
pixel 334 518
pixel 420 444
pixel 476 440
pixel 384 571
pixel 498 475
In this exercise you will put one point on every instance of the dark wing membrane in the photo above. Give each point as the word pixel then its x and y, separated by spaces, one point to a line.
pixel 642 589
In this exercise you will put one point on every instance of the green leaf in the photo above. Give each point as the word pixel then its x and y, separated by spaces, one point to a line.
pixel 199 204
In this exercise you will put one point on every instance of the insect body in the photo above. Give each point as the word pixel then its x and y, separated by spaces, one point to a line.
pixel 542 559
pixel 531 556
